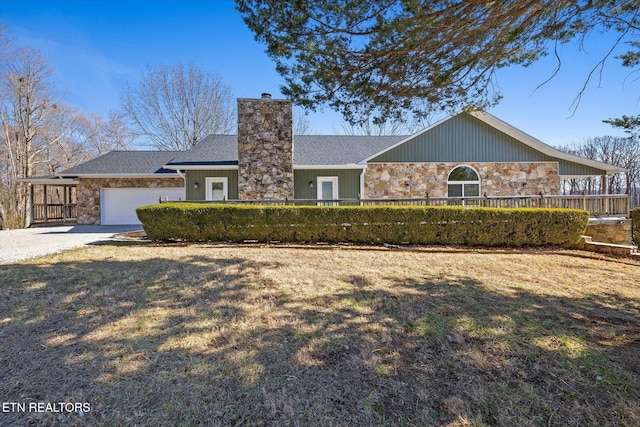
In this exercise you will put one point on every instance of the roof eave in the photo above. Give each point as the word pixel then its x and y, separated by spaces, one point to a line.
pixel 536 144
pixel 185 167
pixel 122 175
pixel 342 166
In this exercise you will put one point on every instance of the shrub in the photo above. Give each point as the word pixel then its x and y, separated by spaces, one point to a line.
pixel 364 224
pixel 635 227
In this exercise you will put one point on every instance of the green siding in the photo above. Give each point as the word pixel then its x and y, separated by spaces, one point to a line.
pixel 571 168
pixel 464 138
pixel 199 176
pixel 348 182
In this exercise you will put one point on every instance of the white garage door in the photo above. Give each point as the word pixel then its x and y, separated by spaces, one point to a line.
pixel 118 205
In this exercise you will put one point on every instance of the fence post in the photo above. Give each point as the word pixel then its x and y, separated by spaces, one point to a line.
pixel 485 201
pixel 584 201
pixel 427 200
pixel 541 202
pixel 46 205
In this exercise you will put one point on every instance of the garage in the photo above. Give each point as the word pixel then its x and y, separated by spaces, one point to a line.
pixel 118 205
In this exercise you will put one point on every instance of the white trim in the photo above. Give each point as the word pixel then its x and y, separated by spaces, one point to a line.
pixel 331 179
pixel 517 134
pixel 235 167
pixel 225 186
pixel 336 167
pixel 201 167
pixel 579 176
pixel 49 181
pixel 463 183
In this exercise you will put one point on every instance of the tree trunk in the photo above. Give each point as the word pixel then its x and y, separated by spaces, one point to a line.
pixel 3 218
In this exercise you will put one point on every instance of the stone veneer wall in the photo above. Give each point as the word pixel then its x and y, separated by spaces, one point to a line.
pixel 610 231
pixel 406 180
pixel 265 149
pixel 88 192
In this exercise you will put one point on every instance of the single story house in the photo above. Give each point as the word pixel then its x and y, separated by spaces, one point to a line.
pixel 465 155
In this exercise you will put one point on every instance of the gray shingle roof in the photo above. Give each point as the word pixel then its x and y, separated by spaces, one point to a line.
pixel 327 150
pixel 338 149
pixel 214 148
pixel 308 149
pixel 125 162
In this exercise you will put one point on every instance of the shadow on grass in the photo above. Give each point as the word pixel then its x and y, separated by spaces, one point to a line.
pixel 226 341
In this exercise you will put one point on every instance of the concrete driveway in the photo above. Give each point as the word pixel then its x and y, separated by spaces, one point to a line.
pixel 18 245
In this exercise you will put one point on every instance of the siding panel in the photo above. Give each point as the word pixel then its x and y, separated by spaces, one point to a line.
pixel 199 176
pixel 463 138
pixel 348 182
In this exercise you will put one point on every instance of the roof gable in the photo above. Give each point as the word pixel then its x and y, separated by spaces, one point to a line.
pixel 481 137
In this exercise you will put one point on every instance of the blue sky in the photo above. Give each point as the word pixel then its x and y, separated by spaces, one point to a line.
pixel 96 46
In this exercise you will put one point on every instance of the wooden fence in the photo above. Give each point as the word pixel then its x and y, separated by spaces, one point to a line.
pixel 597 205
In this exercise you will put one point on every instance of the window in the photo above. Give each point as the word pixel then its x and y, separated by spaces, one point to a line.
pixel 463 182
pixel 327 188
pixel 217 188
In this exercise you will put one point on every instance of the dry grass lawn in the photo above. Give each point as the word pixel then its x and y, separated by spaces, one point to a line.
pixel 207 335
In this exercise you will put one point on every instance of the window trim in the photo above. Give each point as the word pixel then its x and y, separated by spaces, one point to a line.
pixel 463 183
pixel 225 187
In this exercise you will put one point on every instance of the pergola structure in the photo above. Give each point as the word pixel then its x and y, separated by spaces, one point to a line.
pixel 47 206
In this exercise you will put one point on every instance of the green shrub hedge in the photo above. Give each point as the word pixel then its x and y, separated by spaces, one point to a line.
pixel 635 226
pixel 360 224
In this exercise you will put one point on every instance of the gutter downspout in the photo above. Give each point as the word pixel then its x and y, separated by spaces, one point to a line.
pixel 362 195
pixel 184 178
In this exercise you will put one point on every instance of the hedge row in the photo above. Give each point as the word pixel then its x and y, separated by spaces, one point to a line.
pixel 359 224
pixel 635 227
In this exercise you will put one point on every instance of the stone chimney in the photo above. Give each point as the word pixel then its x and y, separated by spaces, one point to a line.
pixel 265 149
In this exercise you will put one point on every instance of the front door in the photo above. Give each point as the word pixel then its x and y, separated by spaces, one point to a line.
pixel 217 188
pixel 327 188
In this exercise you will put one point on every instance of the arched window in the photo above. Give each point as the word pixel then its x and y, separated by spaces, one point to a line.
pixel 463 182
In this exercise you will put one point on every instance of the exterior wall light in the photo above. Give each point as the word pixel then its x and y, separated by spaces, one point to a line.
pixel 311 184
pixel 195 185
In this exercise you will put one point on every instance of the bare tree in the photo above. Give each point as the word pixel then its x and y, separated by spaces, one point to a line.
pixel 39 136
pixel 175 107
pixel 99 136
pixel 371 128
pixel 618 151
pixel 301 124
pixel 376 127
pixel 26 110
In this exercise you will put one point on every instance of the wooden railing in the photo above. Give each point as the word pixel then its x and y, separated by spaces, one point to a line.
pixel 597 205
pixel 54 212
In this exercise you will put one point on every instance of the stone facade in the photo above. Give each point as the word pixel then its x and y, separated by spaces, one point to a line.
pixel 88 192
pixel 616 231
pixel 416 180
pixel 265 149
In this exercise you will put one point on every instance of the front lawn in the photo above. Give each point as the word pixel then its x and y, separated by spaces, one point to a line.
pixel 205 335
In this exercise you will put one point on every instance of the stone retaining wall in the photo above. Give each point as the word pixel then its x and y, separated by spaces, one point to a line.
pixel 616 231
pixel 88 192
pixel 406 180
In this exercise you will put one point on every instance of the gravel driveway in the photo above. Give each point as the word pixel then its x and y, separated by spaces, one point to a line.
pixel 17 245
